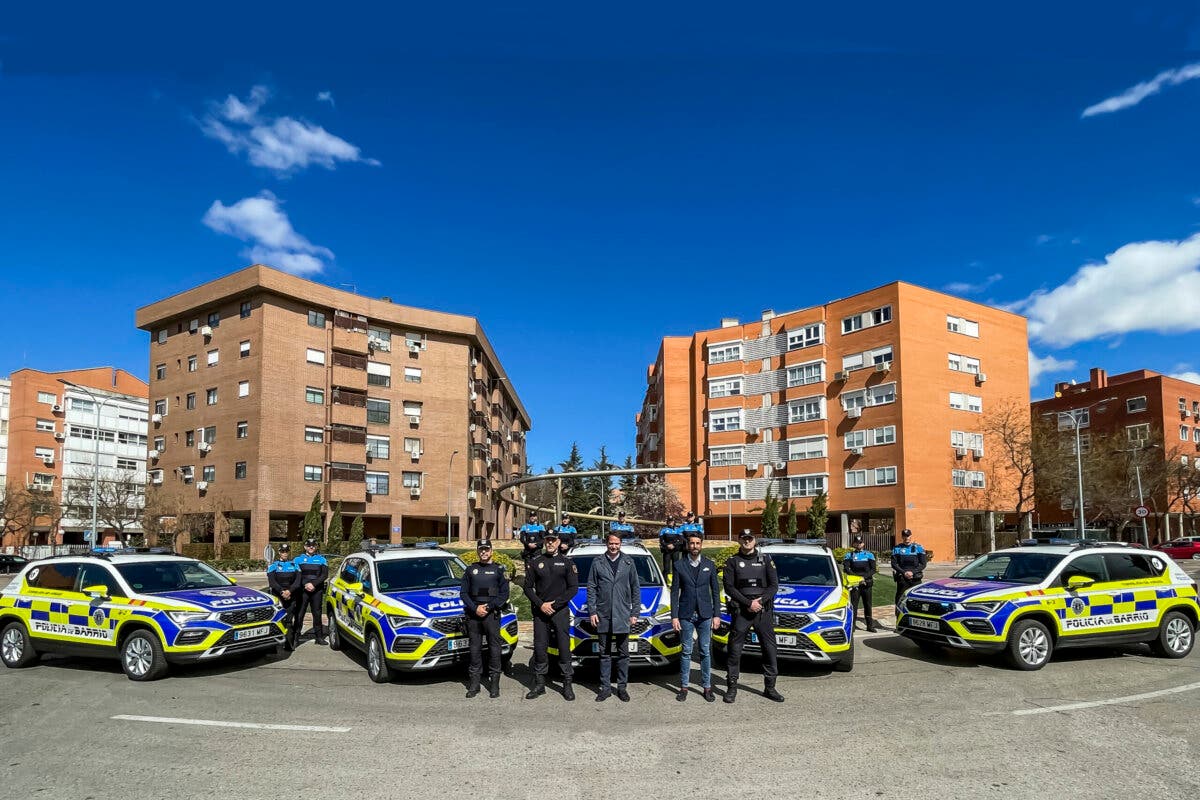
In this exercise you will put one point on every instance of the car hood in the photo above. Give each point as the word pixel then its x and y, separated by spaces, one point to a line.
pixel 443 601
pixel 651 597
pixel 224 598
pixel 791 597
pixel 956 590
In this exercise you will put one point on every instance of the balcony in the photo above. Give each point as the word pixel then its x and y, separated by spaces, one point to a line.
pixel 347 452
pixel 347 492
pixel 351 341
pixel 354 416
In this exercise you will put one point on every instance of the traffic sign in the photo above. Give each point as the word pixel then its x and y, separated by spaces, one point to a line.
pixel 395 529
pixel 1141 512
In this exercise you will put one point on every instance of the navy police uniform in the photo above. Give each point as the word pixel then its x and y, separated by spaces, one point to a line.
pixel 283 575
pixel 484 585
pixel 315 570
pixel 531 534
pixel 551 578
pixel 672 544
pixel 907 556
pixel 861 563
pixel 623 529
pixel 748 577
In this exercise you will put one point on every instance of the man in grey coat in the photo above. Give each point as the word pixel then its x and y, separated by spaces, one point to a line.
pixel 613 601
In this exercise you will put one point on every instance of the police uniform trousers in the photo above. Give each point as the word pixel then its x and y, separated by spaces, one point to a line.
pixel 315 601
pixel 291 609
pixel 477 630
pixel 762 623
pixel 558 625
pixel 669 559
pixel 903 584
pixel 862 592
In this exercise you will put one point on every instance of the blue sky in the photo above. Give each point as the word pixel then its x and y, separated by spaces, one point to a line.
pixel 641 169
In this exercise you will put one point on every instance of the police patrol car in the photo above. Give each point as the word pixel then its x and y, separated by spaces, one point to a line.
pixel 652 640
pixel 146 608
pixel 1029 601
pixel 401 606
pixel 813 618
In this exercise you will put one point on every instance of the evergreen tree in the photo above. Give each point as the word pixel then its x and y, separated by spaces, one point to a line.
pixel 818 516
pixel 627 483
pixel 770 515
pixel 311 527
pixel 793 524
pixel 333 538
pixel 599 494
pixel 356 534
pixel 574 491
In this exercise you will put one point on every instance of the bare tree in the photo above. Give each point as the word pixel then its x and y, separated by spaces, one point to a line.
pixel 119 499
pixel 654 499
pixel 1012 439
pixel 15 514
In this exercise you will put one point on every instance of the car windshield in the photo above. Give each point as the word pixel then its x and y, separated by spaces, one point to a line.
pixel 807 569
pixel 1011 567
pixel 155 577
pixel 647 570
pixel 407 574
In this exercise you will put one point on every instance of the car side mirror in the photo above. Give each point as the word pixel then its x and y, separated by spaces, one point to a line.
pixel 354 588
pixel 851 581
pixel 1079 582
pixel 366 587
pixel 97 592
pixel 231 580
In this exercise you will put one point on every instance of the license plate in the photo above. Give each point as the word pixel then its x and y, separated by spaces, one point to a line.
pixel 924 624
pixel 459 644
pixel 786 640
pixel 635 646
pixel 251 633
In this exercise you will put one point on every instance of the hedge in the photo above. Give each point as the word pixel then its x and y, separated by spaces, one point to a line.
pixel 503 559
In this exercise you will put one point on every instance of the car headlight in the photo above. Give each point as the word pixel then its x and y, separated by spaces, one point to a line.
pixel 987 608
pixel 400 621
pixel 182 617
pixel 836 614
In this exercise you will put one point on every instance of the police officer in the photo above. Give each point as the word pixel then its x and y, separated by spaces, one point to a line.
pixel 750 584
pixel 314 571
pixel 531 538
pixel 671 544
pixel 484 593
pixel 621 527
pixel 566 534
pixel 551 581
pixel 691 524
pixel 908 563
pixel 861 562
pixel 284 578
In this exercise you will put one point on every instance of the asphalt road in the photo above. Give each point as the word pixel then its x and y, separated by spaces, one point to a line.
pixel 902 724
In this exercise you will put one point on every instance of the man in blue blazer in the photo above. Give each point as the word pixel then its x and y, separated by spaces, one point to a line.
pixel 695 611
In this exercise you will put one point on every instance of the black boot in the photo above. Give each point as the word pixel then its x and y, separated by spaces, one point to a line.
pixel 321 636
pixel 770 693
pixel 473 687
pixel 539 687
pixel 494 685
pixel 568 693
pixel 730 691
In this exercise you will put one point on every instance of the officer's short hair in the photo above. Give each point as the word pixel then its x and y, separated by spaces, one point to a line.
pixel 612 535
pixel 906 532
pixel 695 535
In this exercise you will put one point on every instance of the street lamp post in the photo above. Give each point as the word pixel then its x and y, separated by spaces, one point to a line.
pixel 1137 471
pixel 96 404
pixel 729 495
pixel 449 486
pixel 1075 416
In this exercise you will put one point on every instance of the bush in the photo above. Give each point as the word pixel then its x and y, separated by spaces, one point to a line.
pixel 721 556
pixel 503 559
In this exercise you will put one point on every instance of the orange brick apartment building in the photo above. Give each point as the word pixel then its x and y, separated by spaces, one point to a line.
pixel 877 399
pixel 266 389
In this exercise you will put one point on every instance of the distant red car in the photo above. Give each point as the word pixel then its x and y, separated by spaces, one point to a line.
pixel 1188 547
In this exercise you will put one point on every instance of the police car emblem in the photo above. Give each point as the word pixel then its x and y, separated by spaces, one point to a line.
pixel 99 617
pixel 33 573
pixel 784 591
pixel 218 593
pixel 444 594
pixel 1077 605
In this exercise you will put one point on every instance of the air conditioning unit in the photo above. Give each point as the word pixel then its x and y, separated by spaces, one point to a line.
pixel 977 452
pixel 156 419
pixel 752 467
pixel 206 331
pixel 755 431
pixel 414 419
pixel 48 460
pixel 56 408
pixel 472 428
pixel 415 454
pixel 202 486
pixel 841 376
pixel 854 413
pixel 856 451
pixel 980 377
pixel 471 495
pixel 153 454
pixel 413 347
pixel 474 362
pixel 156 477
pixel 960 451
pixel 59 436
pixel 474 396
pixel 510 437
pixel 415 491
pixel 204 447
pixel 883 366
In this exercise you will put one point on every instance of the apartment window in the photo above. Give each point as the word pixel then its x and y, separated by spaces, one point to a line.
pixel 208 434
pixel 160 443
pixel 379 338
pixel 725 456
pixel 412 408
pixel 726 419
pixel 379 411
pixel 43 425
pixel 160 372
pixel 213 357
pixel 381 374
pixel 1139 434
pixel 1196 409
pixel 214 319
pixel 189 438
pixel 379 446
pixel 377 483
pixel 968 479
pixel 314 395
pixel 804 374
pixel 244 349
pixel 243 388
pixel 884 435
pixel 885 476
pixel 317 320
pixel 806 409
pixel 210 396
pixel 960 325
pixel 856 478
pixel 726 351
pixel 313 433
pixel 187 474
pixel 966 402
pixel 856 439
pixel 314 356
pixel 807 336
pixel 808 447
pixel 190 401
pixel 725 387
pixel 208 473
pixel 412 480
pixel 243 429
pixel 869 319
pixel 43 452
pixel 1135 404
pixel 161 336
pixel 1184 433
pixel 725 490
pixel 191 363
pixel 960 363
pixel 806 485
pixel 135 439
pixel 311 471
pixel 412 375
pixel 413 447
pixel 48 398
pixel 1067 419
pixel 966 439
pixel 160 407
pixel 244 309
pixel 1196 434
pixel 239 470
pixel 414 340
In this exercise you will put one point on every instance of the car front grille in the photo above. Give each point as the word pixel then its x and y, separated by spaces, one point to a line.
pixel 640 627
pixel 440 648
pixel 928 607
pixel 406 644
pixel 979 626
pixel 802 643
pixel 792 621
pixel 245 616
pixel 835 636
pixel 450 625
pixel 511 628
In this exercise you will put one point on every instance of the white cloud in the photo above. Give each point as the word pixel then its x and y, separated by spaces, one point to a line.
pixel 1142 286
pixel 261 223
pixel 1044 238
pixel 1190 377
pixel 282 144
pixel 963 287
pixel 1136 94
pixel 326 97
pixel 1040 365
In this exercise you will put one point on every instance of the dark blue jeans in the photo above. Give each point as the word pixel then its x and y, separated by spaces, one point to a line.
pixel 701 629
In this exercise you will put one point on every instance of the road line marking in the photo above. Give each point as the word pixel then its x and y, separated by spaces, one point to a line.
pixel 1024 712
pixel 212 723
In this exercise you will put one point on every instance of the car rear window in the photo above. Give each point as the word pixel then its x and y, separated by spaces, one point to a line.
pixel 1128 567
pixel 54 576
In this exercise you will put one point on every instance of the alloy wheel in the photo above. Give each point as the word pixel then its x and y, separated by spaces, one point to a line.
pixel 13 646
pixel 138 656
pixel 1179 635
pixel 1033 646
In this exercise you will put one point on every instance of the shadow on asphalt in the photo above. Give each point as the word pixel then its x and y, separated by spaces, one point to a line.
pixel 951 657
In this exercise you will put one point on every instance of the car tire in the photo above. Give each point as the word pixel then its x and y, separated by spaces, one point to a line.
pixel 1030 645
pixel 1176 636
pixel 378 669
pixel 335 633
pixel 142 656
pixel 846 662
pixel 16 648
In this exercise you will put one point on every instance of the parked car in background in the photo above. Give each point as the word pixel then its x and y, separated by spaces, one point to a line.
pixel 1185 548
pixel 11 564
